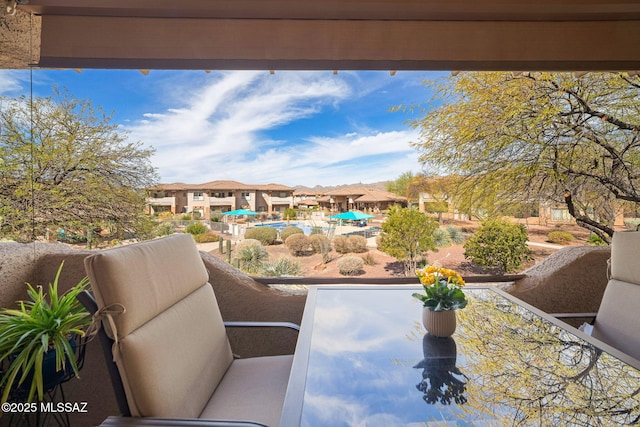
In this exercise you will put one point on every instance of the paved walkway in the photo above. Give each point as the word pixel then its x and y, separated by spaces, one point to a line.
pixel 545 245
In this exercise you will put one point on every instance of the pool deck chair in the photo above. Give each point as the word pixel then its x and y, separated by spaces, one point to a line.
pixel 617 322
pixel 163 329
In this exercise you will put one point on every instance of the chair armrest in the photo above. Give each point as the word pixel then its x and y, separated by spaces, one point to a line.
pixel 174 422
pixel 567 316
pixel 243 324
pixel 573 315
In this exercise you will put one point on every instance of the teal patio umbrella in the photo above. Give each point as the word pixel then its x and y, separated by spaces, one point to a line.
pixel 240 212
pixel 351 216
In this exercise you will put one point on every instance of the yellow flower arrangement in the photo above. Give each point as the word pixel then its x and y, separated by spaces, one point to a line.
pixel 432 274
pixel 442 289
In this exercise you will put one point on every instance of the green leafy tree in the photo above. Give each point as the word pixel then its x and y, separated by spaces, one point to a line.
pixel 407 234
pixel 403 186
pixel 541 136
pixel 65 166
pixel 498 244
pixel 438 191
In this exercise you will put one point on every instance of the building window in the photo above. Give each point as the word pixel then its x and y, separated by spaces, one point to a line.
pixel 560 215
pixel 198 196
pixel 246 196
pixel 283 195
pixel 230 194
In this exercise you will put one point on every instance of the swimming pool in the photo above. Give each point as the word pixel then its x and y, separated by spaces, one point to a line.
pixel 282 225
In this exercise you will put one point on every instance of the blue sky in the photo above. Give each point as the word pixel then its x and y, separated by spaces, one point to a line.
pixel 292 127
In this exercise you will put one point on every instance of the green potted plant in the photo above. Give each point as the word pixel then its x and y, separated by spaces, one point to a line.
pixel 40 335
pixel 442 296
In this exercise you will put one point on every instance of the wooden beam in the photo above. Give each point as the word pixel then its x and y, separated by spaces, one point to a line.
pixel 171 43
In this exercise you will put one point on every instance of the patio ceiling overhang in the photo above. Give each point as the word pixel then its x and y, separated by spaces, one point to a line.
pixel 571 35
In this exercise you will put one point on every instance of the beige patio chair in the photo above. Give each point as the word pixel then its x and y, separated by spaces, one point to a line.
pixel 617 322
pixel 170 347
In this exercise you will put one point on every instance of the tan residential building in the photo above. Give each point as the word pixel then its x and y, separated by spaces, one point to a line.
pixel 219 196
pixel 305 199
pixel 359 198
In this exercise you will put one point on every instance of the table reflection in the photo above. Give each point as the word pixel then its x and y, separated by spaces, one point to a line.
pixel 504 366
pixel 442 382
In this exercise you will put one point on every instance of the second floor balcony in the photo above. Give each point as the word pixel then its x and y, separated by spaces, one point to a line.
pixel 222 201
pixel 161 201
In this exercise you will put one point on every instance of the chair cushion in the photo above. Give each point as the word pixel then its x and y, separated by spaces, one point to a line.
pixel 618 323
pixel 253 389
pixel 625 253
pixel 146 278
pixel 171 365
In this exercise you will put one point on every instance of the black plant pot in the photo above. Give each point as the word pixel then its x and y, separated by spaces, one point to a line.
pixel 50 377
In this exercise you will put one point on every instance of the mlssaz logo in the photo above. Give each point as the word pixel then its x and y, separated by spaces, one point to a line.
pixel 65 407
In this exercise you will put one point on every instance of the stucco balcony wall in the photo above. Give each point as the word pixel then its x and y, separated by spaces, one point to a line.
pixel 571 280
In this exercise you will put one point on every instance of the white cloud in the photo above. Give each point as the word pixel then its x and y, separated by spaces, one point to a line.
pixel 11 81
pixel 219 133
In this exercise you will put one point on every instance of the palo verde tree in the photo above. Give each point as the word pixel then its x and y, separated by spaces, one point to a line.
pixel 555 137
pixel 65 166
pixel 407 234
pixel 403 186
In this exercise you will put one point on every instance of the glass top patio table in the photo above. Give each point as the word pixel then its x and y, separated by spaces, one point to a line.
pixel 364 359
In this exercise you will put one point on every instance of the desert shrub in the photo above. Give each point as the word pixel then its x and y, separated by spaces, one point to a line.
pixel 165 229
pixel 196 228
pixel 350 265
pixel 560 237
pixel 165 215
pixel 206 238
pixel 316 229
pixel 251 256
pixel 288 231
pixel 441 238
pixel 357 244
pixel 455 234
pixel 595 240
pixel 340 244
pixel 190 215
pixel 498 244
pixel 369 259
pixel 299 244
pixel 320 243
pixel 285 266
pixel 266 235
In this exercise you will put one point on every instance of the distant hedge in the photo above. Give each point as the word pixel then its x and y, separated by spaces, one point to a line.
pixel 288 231
pixel 266 235
pixel 560 237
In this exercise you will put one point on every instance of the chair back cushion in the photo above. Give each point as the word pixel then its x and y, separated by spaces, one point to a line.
pixel 171 346
pixel 618 323
pixel 625 256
